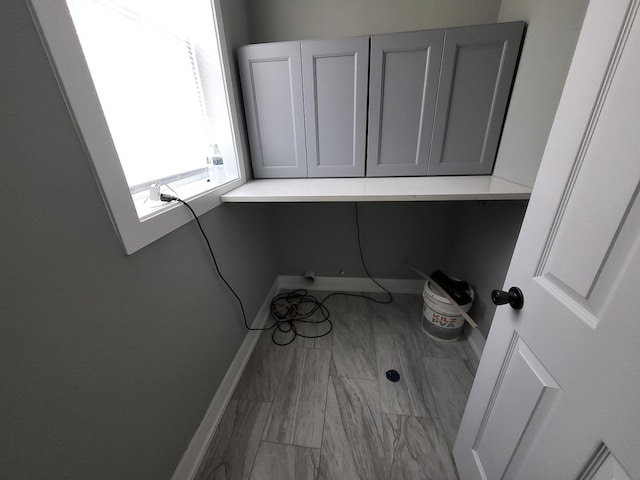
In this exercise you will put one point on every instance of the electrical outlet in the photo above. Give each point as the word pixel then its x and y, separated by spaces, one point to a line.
pixel 154 192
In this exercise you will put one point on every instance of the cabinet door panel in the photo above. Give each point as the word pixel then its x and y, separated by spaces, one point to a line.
pixel 334 74
pixel 404 71
pixel 478 65
pixel 272 90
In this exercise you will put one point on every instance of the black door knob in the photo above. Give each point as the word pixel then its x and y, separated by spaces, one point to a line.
pixel 513 297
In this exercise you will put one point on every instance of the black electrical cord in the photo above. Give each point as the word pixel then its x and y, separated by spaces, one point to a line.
pixel 390 299
pixel 288 308
pixel 170 198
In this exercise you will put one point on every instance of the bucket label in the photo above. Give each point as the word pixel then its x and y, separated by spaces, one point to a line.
pixel 444 321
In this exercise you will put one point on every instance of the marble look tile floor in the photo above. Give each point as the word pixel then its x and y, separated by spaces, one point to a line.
pixel 322 409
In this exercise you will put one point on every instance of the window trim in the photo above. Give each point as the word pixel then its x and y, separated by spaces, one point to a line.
pixel 57 33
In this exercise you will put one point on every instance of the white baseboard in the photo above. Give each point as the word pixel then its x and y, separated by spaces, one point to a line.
pixel 476 340
pixel 192 457
pixel 352 284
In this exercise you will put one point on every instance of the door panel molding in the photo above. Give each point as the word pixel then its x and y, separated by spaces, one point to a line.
pixel 506 419
pixel 569 298
pixel 478 64
pixel 618 256
pixel 590 128
pixel 274 108
pixel 403 89
pixel 603 466
pixel 334 85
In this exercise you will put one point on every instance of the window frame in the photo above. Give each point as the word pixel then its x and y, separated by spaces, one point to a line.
pixel 58 35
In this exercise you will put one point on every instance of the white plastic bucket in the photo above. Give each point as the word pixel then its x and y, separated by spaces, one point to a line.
pixel 440 319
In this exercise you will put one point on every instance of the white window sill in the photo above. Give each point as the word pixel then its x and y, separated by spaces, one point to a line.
pixel 402 189
pixel 147 208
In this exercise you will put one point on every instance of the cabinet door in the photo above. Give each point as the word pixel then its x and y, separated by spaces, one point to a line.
pixel 402 96
pixel 271 77
pixel 334 79
pixel 478 65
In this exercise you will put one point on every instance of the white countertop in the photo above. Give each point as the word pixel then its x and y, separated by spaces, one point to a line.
pixel 386 189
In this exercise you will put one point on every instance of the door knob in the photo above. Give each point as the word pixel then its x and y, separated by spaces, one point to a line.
pixel 513 297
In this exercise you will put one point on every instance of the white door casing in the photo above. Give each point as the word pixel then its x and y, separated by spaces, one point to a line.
pixel 557 393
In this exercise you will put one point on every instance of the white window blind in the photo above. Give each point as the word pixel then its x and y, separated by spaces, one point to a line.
pixel 145 69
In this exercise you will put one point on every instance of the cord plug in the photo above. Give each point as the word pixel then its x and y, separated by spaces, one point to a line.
pixel 168 198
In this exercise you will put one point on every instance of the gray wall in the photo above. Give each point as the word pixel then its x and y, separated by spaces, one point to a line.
pixel 323 237
pixel 482 247
pixel 278 20
pixel 108 362
pixel 552 34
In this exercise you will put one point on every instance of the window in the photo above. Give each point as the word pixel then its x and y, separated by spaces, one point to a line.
pixel 148 85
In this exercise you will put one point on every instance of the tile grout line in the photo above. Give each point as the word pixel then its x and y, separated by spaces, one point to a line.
pixel 268 420
pixel 253 462
pixel 264 427
pixel 387 461
pixel 298 394
pixel 324 419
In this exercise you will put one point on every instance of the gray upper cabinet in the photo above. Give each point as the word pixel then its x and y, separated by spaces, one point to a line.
pixel 272 92
pixel 478 66
pixel 429 102
pixel 334 78
pixel 403 86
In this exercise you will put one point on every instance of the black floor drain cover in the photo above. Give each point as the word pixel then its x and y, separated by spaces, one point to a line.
pixel 393 376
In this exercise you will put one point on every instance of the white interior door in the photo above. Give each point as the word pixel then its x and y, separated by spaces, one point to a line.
pixel 557 394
